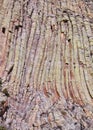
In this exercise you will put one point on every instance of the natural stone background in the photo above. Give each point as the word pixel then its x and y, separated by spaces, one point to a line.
pixel 46 64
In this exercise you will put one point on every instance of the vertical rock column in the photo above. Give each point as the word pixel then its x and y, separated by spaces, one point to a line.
pixel 46 60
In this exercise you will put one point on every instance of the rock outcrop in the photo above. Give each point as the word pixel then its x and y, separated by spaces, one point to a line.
pixel 46 64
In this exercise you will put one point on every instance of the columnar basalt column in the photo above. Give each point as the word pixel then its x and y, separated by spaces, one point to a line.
pixel 46 64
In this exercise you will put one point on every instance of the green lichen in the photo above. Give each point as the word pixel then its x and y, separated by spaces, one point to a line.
pixel 2 128
pixel 6 92
pixel 63 113
pixel 0 82
pixel 91 74
pixel 3 102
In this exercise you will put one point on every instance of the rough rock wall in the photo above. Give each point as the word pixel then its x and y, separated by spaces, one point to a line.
pixel 46 64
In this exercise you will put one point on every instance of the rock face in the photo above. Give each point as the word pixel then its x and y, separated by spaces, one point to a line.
pixel 46 64
pixel 2 97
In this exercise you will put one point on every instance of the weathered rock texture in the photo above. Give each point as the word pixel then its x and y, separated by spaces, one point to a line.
pixel 46 64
